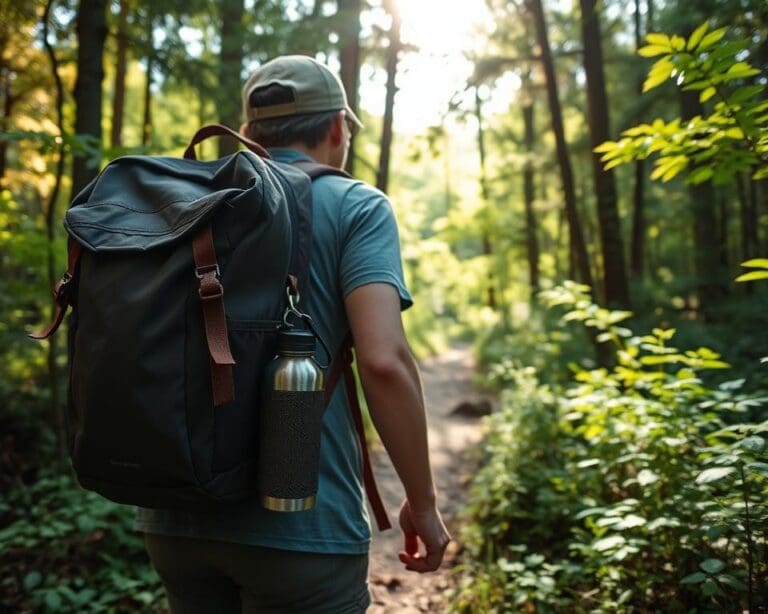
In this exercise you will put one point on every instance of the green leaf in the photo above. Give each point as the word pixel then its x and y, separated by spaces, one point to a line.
pixel 609 543
pixel 729 580
pixel 711 39
pixel 659 39
pixel 630 522
pixel 712 566
pixel 754 443
pixel 759 467
pixel 53 600
pixel 694 578
pixel 660 72
pixel 759 263
pixel 700 175
pixel 32 580
pixel 707 93
pixel 606 147
pixel 753 276
pixel 696 37
pixel 677 42
pixel 650 51
pixel 741 70
pixel 710 588
pixel 646 476
pixel 590 462
pixel 714 474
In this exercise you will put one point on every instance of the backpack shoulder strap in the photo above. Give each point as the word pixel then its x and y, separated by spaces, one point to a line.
pixel 342 367
pixel 300 280
pixel 315 169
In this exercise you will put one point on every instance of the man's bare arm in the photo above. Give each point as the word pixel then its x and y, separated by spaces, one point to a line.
pixel 392 387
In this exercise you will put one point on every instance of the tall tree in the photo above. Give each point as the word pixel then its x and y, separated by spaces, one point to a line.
pixel 704 213
pixel 91 30
pixel 486 238
pixel 146 122
pixel 50 230
pixel 349 58
pixel 578 248
pixel 529 140
pixel 616 287
pixel 393 53
pixel 637 244
pixel 121 62
pixel 232 41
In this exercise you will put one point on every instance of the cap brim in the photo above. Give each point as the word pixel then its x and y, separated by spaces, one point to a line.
pixel 355 119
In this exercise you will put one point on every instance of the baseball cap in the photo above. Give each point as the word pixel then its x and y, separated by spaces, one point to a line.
pixel 314 89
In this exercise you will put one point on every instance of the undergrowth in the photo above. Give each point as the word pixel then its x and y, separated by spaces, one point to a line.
pixel 632 488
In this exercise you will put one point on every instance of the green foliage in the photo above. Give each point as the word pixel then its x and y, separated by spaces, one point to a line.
pixel 731 138
pixel 761 264
pixel 67 550
pixel 638 486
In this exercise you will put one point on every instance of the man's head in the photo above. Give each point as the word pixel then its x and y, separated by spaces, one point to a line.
pixel 294 101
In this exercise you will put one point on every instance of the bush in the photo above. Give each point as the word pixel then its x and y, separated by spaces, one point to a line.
pixel 67 550
pixel 637 487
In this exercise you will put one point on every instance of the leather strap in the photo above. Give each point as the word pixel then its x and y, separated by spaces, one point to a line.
pixel 343 366
pixel 315 169
pixel 207 132
pixel 212 300
pixel 61 292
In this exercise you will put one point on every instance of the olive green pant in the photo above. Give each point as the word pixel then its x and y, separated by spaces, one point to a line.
pixel 202 577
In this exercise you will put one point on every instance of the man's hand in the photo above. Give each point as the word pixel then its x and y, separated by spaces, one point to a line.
pixel 425 527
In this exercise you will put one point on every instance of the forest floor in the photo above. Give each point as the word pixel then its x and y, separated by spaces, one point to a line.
pixel 452 434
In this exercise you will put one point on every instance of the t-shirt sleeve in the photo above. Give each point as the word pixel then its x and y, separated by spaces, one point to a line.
pixel 370 249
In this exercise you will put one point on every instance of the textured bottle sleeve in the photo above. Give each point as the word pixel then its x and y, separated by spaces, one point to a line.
pixel 289 451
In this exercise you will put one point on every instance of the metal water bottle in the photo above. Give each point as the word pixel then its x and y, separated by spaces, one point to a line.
pixel 290 423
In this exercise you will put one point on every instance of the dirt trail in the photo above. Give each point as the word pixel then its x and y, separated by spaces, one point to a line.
pixel 447 383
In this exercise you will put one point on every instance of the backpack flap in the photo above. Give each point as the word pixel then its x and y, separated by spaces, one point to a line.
pixel 139 203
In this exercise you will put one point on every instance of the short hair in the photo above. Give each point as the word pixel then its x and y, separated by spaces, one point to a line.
pixel 307 128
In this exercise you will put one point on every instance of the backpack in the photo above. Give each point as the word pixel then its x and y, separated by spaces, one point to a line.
pixel 179 273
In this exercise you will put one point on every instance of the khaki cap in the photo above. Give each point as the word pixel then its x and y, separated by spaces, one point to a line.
pixel 315 89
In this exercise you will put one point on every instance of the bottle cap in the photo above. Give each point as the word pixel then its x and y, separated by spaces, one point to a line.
pixel 291 341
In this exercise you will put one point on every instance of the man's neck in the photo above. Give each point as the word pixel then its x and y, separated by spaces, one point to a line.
pixel 320 153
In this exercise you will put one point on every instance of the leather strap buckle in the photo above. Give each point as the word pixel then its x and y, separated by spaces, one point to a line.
pixel 61 290
pixel 202 271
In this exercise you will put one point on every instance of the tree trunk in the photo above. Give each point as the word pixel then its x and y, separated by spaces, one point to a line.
pixel 614 270
pixel 531 240
pixel 146 123
pixel 91 33
pixel 5 122
pixel 649 21
pixel 486 240
pixel 637 258
pixel 121 61
pixel 231 13
pixel 349 58
pixel 706 243
pixel 57 417
pixel 393 52
pixel 724 217
pixel 577 244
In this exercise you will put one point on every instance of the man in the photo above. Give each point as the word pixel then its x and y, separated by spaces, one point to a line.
pixel 249 559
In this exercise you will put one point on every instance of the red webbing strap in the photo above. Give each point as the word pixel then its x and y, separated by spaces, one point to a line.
pixel 61 292
pixel 343 365
pixel 212 300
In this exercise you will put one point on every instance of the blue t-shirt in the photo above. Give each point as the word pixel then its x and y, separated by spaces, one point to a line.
pixel 355 242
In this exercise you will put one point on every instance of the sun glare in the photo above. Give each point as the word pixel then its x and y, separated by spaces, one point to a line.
pixel 441 31
pixel 440 27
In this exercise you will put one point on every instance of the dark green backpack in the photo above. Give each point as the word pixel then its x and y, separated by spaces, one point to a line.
pixel 178 277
